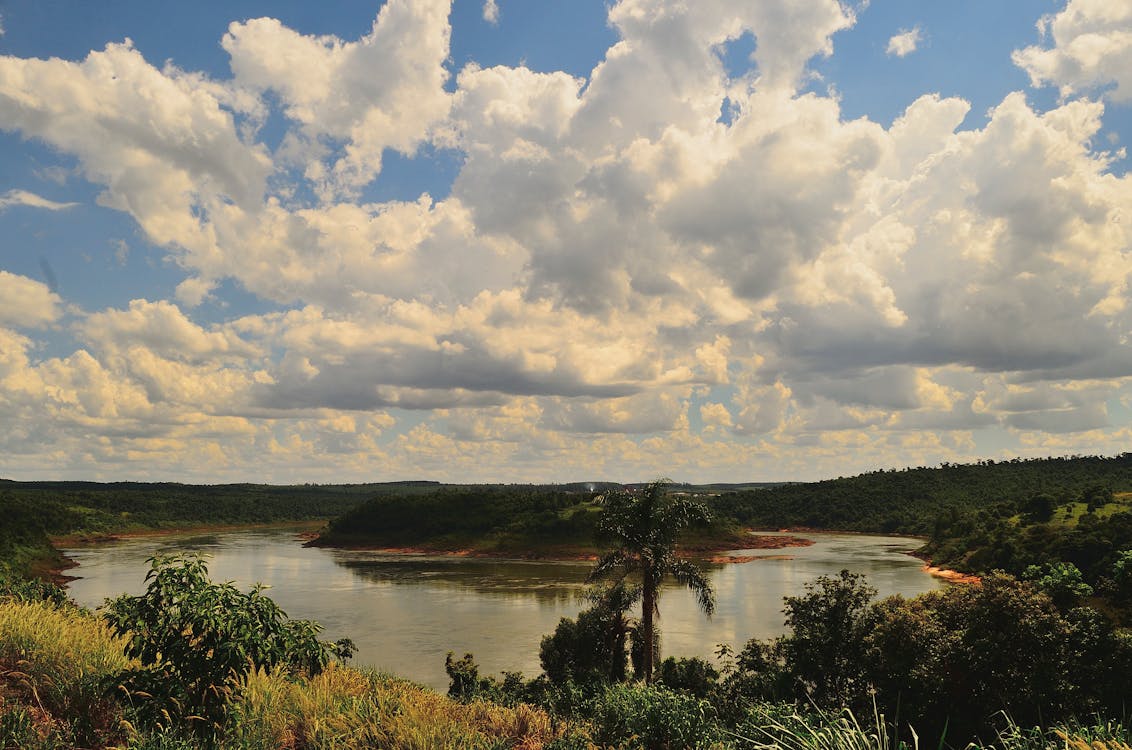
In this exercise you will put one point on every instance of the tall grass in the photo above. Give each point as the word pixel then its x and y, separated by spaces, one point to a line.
pixel 55 667
pixel 347 708
pixel 768 727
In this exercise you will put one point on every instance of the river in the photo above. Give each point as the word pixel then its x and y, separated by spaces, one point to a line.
pixel 405 612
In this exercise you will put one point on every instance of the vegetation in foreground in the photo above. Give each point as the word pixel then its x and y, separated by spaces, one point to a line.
pixel 194 664
pixel 1034 663
pixel 62 685
pixel 946 665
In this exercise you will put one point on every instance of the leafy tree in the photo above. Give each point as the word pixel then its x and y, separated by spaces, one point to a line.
pixel 1040 507
pixel 642 529
pixel 828 625
pixel 591 649
pixel 197 640
pixel 950 658
pixel 692 675
pixel 1062 581
pixel 1122 568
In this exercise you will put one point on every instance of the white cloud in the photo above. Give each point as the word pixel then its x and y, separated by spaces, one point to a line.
pixel 25 302
pixel 352 100
pixel 491 12
pixel 1092 47
pixel 611 259
pixel 162 143
pixel 904 43
pixel 161 329
pixel 25 198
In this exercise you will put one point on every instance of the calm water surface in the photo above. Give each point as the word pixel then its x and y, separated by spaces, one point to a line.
pixel 406 612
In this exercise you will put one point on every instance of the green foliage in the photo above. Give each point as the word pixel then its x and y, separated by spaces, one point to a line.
pixel 592 648
pixel 465 684
pixel 652 717
pixel 641 531
pixel 828 626
pixel 23 535
pixel 197 640
pixel 927 501
pixel 943 662
pixel 689 675
pixel 1122 567
pixel 31 590
pixel 464 676
pixel 93 507
pixel 515 517
pixel 1062 581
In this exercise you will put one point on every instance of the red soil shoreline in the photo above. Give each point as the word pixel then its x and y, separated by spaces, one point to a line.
pixel 755 541
pixel 951 576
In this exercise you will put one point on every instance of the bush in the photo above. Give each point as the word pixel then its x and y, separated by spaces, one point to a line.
pixel 31 590
pixel 652 717
pixel 197 640
pixel 692 675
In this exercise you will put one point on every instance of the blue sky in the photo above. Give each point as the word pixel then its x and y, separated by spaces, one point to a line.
pixel 518 241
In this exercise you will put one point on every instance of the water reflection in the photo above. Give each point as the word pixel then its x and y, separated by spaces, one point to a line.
pixel 546 582
pixel 406 611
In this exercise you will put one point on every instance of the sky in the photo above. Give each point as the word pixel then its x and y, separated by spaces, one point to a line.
pixel 519 241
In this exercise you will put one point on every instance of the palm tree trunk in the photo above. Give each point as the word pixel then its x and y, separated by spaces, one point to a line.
pixel 648 609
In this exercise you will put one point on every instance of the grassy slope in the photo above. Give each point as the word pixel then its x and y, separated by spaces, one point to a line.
pixel 55 662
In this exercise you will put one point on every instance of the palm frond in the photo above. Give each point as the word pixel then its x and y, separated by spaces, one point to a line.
pixel 688 574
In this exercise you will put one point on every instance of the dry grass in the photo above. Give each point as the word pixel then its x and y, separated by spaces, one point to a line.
pixel 1082 743
pixel 348 708
pixel 55 665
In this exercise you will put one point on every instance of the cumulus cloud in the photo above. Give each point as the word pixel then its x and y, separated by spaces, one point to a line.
pixel 163 144
pixel 904 43
pixel 354 98
pixel 162 329
pixel 27 303
pixel 1091 48
pixel 617 277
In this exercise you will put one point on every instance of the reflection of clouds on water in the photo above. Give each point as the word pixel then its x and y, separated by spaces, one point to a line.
pixel 406 612
pixel 553 583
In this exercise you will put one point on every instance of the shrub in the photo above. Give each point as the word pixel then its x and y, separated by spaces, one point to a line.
pixel 652 717
pixel 196 640
pixel 692 675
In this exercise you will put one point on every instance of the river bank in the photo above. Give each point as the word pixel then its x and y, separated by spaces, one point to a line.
pixel 406 611
pixel 709 548
pixel 88 539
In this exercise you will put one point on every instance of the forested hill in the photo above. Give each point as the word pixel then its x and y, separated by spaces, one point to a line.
pixel 93 507
pixel 1066 519
pixel 918 500
pixel 523 520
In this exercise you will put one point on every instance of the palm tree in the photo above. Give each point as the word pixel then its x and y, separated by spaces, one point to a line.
pixel 642 530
